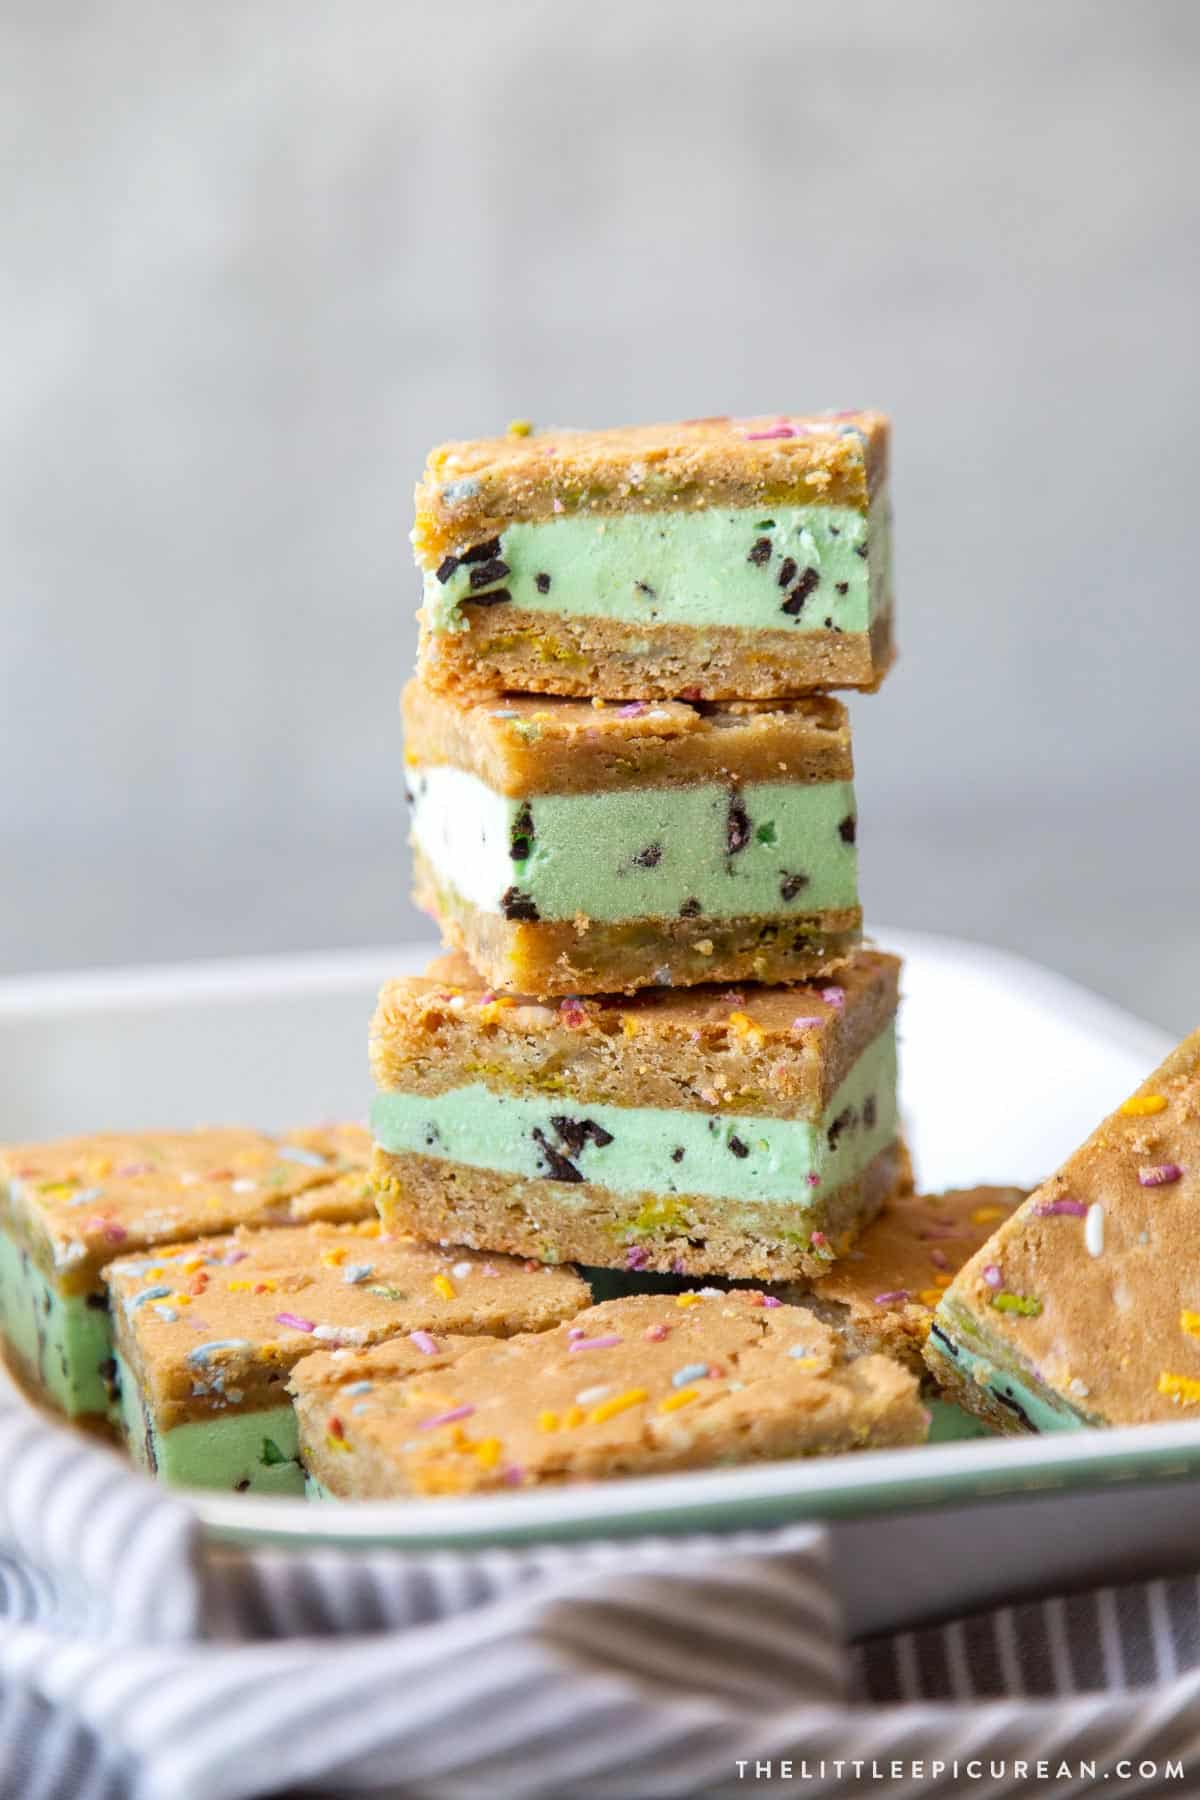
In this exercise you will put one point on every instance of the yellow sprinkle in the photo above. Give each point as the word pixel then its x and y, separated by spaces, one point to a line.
pixel 629 1025
pixel 239 1287
pixel 547 1421
pixel 443 1285
pixel 100 1167
pixel 180 1300
pixel 573 1416
pixel 687 1299
pixel 192 1264
pixel 154 1274
pixel 335 1443
pixel 333 1259
pixel 1179 1387
pixel 681 1397
pixel 987 1215
pixel 267 1284
pixel 805 1362
pixel 930 1296
pixel 411 757
pixel 369 1227
pixel 56 1190
pixel 1141 1106
pixel 1190 1322
pixel 608 1409
pixel 487 1452
pixel 942 1281
pixel 520 427
pixel 743 1026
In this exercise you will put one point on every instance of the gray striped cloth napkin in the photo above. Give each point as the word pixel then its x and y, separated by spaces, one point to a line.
pixel 139 1661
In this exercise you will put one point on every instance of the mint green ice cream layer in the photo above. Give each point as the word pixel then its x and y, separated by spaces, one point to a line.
pixel 807 568
pixel 710 850
pixel 65 1339
pixel 243 1452
pixel 1042 1410
pixel 747 1160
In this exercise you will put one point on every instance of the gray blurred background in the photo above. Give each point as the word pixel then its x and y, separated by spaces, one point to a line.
pixel 257 257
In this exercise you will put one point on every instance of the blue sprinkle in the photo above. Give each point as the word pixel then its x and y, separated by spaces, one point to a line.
pixel 799 1350
pixel 150 1293
pixel 689 1373
pixel 86 1197
pixel 167 1314
pixel 293 1153
pixel 358 1387
pixel 202 1352
pixel 454 491
pixel 353 1273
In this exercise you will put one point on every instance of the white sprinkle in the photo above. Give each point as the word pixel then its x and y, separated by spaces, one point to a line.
pixel 1079 1388
pixel 592 1396
pixel 341 1334
pixel 461 1270
pixel 243 1185
pixel 1093 1229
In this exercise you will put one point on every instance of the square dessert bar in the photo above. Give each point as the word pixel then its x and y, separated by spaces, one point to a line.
pixel 572 847
pixel 206 1334
pixel 68 1208
pixel 880 1297
pixel 692 1130
pixel 1084 1307
pixel 714 559
pixel 631 1387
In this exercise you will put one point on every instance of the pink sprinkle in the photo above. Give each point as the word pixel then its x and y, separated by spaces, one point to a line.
pixel 488 1269
pixel 576 1331
pixel 600 1343
pixel 1049 1209
pixel 655 1334
pixel 803 1022
pixel 891 1298
pixel 513 1476
pixel 939 1259
pixel 834 996
pixel 636 1257
pixel 770 1300
pixel 114 1233
pixel 557 506
pixel 634 710
pixel 1161 1176
pixel 992 1275
pixel 677 1267
pixel 574 1013
pixel 776 431
pixel 446 1418
pixel 233 1256
pixel 423 1342
pixel 295 1321
pixel 814 1181
pixel 135 1168
pixel 485 999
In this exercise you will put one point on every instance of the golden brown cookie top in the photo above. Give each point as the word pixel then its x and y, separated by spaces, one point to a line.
pixel 604 1393
pixel 764 1046
pixel 225 1304
pixel 890 1281
pixel 523 744
pixel 79 1202
pixel 1094 1282
pixel 471 490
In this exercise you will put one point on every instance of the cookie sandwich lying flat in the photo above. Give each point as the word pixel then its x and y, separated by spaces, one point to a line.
pixel 882 1294
pixel 695 1130
pixel 207 1333
pixel 1084 1308
pixel 574 847
pixel 67 1209
pixel 632 1387
pixel 717 558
